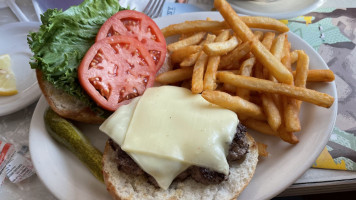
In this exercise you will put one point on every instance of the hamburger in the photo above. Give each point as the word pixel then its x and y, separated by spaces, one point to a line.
pixel 172 144
pixel 60 48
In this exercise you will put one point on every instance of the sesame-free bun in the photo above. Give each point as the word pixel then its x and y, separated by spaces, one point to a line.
pixel 66 105
pixel 124 186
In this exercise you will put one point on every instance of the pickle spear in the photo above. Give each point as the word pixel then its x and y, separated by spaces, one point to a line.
pixel 68 135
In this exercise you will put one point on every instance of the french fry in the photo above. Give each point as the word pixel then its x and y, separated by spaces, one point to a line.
pixel 235 71
pixel 301 69
pixel 251 83
pixel 258 35
pixel 193 26
pixel 185 35
pixel 198 74
pixel 213 64
pixel 262 149
pixel 264 23
pixel 175 76
pixel 210 26
pixel 223 36
pixel 199 68
pixel 180 54
pixel 319 75
pixel 217 31
pixel 290 105
pixel 267 40
pixel 291 114
pixel 287 136
pixel 234 21
pixel 210 74
pixel 220 48
pixel 190 60
pixel 234 103
pixel 293 56
pixel 277 51
pixel 246 70
pixel 246 66
pixel 270 108
pixel 194 39
pixel 260 126
pixel 278 46
pixel 301 72
pixel 286 60
pixel 274 66
pixel 235 55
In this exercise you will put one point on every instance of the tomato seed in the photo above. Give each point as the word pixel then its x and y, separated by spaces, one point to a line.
pixel 126 46
pixel 112 32
pixel 153 35
pixel 145 80
pixel 155 55
pixel 105 91
pixel 115 70
pixel 135 91
pixel 116 48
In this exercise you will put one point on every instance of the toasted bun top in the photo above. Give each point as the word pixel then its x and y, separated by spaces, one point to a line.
pixel 129 187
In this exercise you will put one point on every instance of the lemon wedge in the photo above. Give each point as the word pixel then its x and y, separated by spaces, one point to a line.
pixel 7 77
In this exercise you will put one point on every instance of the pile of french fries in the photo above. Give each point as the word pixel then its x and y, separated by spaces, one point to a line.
pixel 249 72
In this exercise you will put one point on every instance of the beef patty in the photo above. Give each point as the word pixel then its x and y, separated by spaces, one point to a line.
pixel 238 149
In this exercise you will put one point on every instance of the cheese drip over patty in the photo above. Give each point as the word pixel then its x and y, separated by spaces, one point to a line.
pixel 169 129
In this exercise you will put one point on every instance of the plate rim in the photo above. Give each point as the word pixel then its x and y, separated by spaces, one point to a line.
pixel 279 15
pixel 312 157
pixel 30 94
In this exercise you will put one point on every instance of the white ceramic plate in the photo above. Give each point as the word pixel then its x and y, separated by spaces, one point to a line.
pixel 14 42
pixel 67 178
pixel 280 9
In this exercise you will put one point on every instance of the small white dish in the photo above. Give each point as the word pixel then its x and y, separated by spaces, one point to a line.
pixel 67 178
pixel 14 42
pixel 279 9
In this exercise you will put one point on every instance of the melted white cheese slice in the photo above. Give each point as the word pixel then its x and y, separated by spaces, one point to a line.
pixel 163 170
pixel 169 128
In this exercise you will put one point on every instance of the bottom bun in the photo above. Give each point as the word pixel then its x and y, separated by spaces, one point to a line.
pixel 128 187
pixel 65 105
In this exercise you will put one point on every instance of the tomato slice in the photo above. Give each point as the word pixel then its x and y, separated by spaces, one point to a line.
pixel 115 70
pixel 140 26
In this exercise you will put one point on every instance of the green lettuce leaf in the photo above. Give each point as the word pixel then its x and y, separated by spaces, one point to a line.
pixel 64 38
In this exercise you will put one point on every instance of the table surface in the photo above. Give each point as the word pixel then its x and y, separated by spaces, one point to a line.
pixel 311 182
